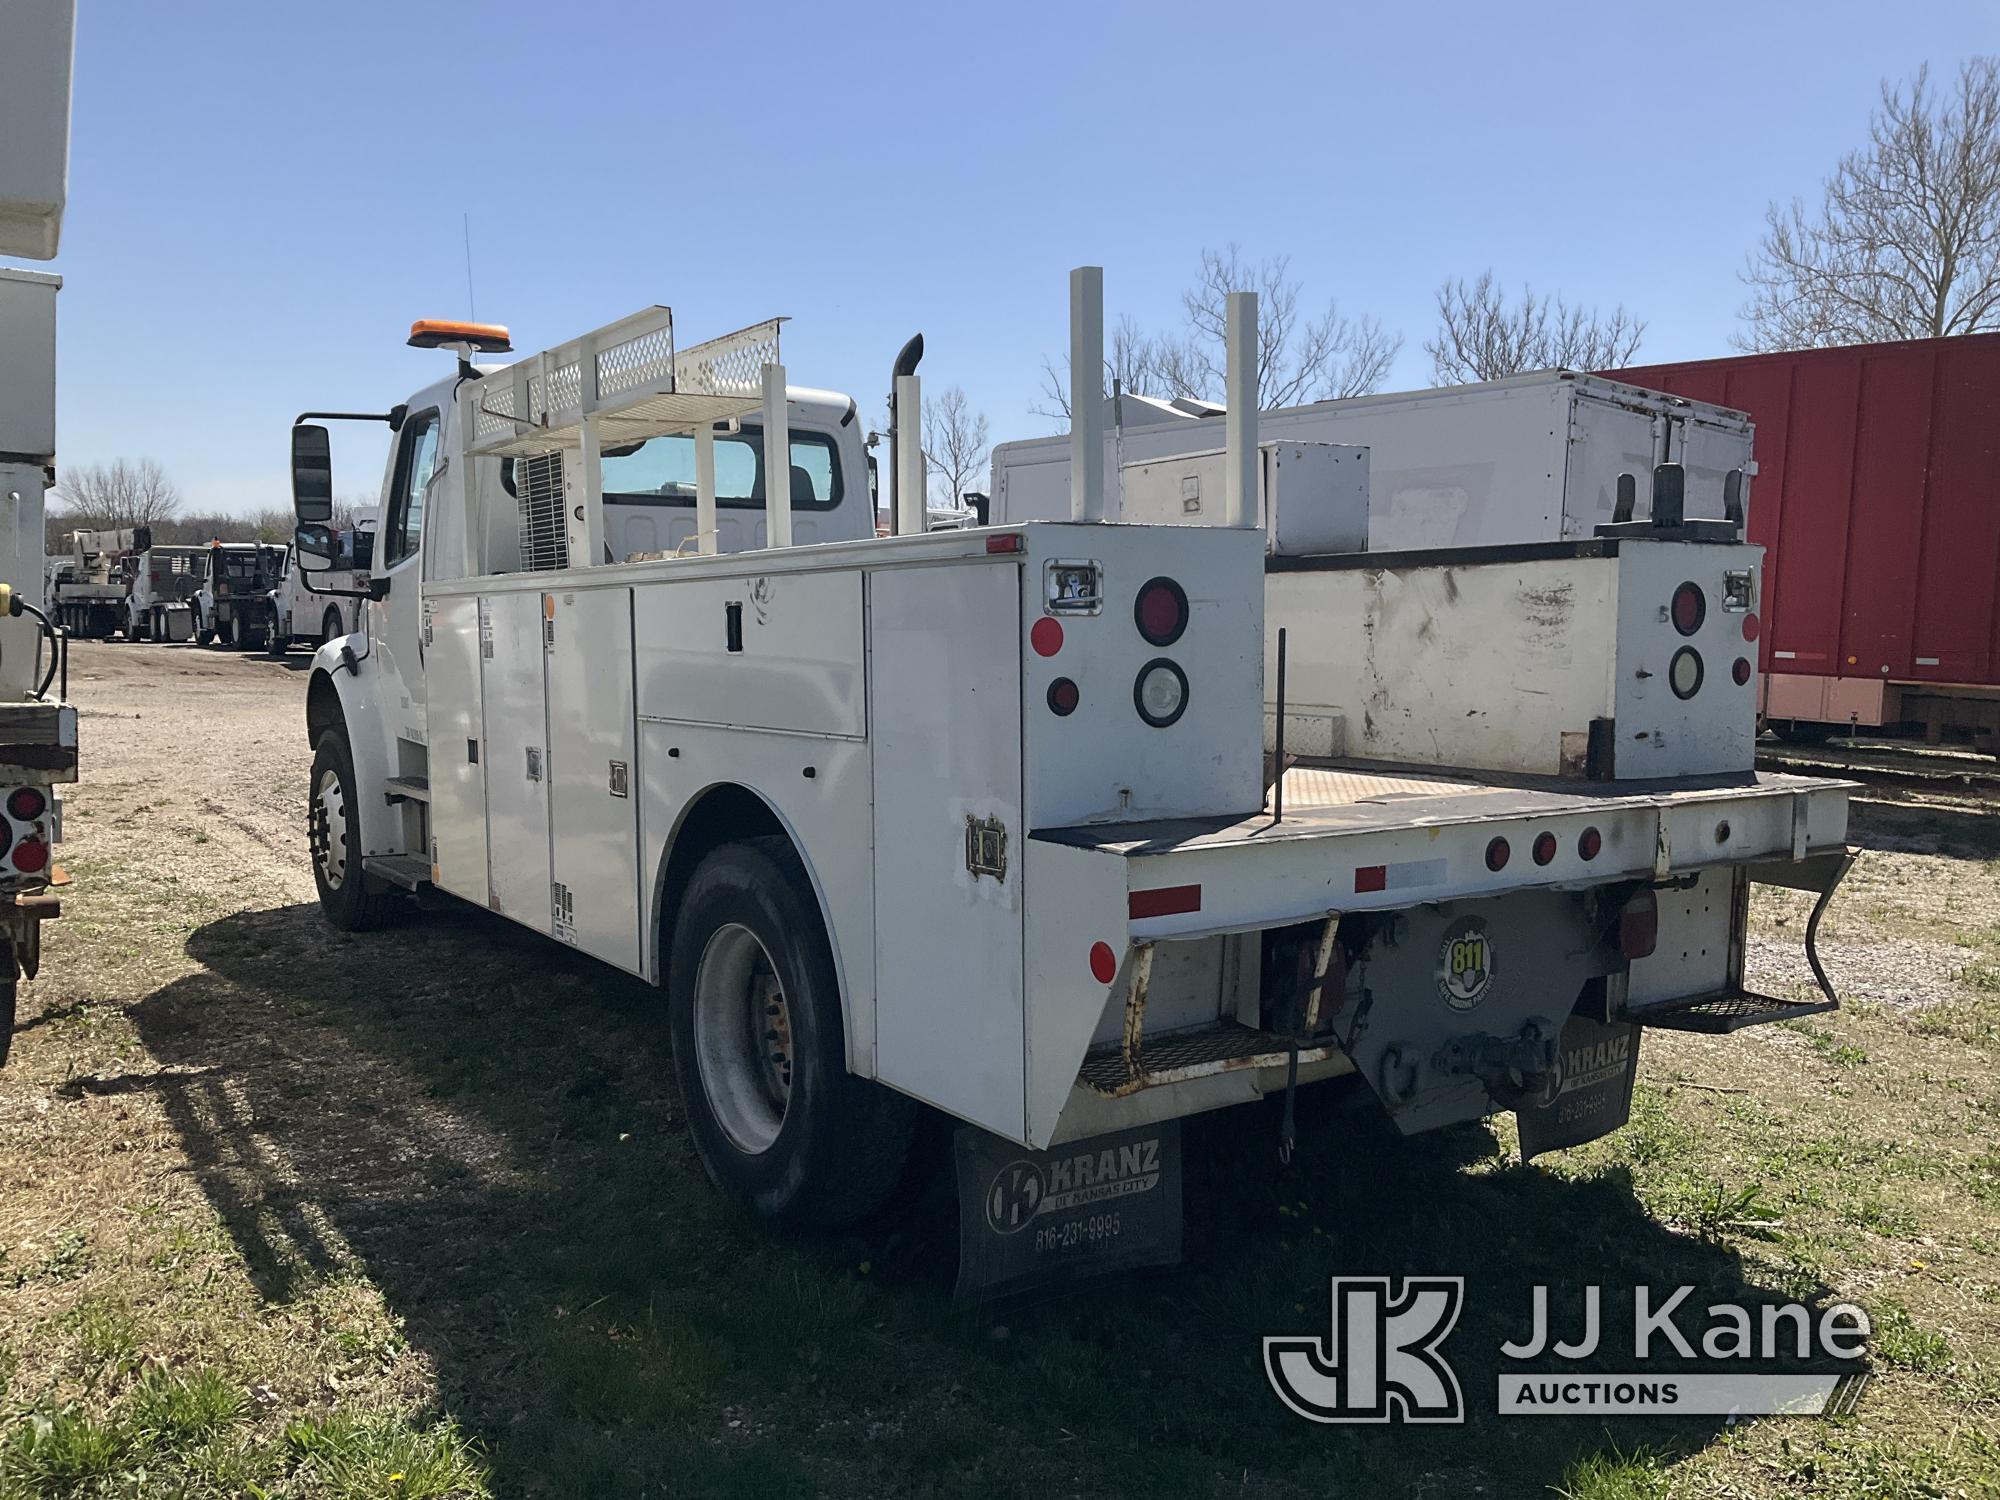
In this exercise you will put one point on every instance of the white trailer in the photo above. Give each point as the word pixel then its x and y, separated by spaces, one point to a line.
pixel 1534 458
pixel 37 728
pixel 975 820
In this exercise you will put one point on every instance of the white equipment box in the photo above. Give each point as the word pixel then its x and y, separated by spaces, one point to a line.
pixel 1535 458
pixel 37 42
pixel 1311 497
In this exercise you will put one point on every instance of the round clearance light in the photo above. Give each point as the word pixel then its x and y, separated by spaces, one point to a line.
pixel 1046 636
pixel 1497 854
pixel 1690 608
pixel 1103 963
pixel 1545 848
pixel 31 856
pixel 1684 672
pixel 1063 697
pixel 1161 611
pixel 1589 842
pixel 1740 671
pixel 27 803
pixel 1160 693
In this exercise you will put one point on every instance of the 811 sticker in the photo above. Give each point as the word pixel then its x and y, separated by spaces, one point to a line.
pixel 1465 964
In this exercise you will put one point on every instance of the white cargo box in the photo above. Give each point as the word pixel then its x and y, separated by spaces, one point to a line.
pixel 1311 497
pixel 1535 458
pixel 28 363
pixel 37 39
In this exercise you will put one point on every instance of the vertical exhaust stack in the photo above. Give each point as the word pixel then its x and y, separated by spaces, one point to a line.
pixel 1086 393
pixel 1240 423
pixel 912 518
pixel 777 460
pixel 907 360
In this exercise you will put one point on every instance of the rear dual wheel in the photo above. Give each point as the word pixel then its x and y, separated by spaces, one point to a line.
pixel 760 1047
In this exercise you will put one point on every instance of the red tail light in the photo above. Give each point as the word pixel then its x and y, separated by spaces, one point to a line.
pixel 1589 842
pixel 27 803
pixel 1690 608
pixel 1741 671
pixel 1497 854
pixel 1161 611
pixel 1545 848
pixel 1064 696
pixel 31 856
pixel 1639 925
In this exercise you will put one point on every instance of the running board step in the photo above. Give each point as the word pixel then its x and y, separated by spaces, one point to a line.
pixel 407 789
pixel 405 870
pixel 1729 1010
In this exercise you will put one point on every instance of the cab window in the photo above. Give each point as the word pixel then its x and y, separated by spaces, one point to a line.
pixel 661 472
pixel 416 461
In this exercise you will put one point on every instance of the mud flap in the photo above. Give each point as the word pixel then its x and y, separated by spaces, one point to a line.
pixel 1029 1218
pixel 1591 1094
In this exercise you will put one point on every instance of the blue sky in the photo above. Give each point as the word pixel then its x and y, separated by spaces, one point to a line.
pixel 263 196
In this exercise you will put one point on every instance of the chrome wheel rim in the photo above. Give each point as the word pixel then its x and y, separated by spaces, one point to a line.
pixel 328 834
pixel 743 1038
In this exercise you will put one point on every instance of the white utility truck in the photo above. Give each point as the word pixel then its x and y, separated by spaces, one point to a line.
pixel 302 614
pixel 1533 458
pixel 233 606
pixel 93 596
pixel 37 728
pixel 983 819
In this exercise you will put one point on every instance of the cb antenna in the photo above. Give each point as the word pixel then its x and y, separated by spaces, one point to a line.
pixel 471 303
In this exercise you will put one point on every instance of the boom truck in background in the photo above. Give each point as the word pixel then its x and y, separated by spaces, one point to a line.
pixel 1011 823
pixel 93 594
pixel 38 743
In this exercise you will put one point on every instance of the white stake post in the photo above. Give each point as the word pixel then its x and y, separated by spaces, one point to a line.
pixel 777 460
pixel 1240 424
pixel 1086 393
pixel 912 514
pixel 704 489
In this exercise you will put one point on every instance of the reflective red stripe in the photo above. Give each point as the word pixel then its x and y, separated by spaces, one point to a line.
pixel 1372 878
pixel 1166 901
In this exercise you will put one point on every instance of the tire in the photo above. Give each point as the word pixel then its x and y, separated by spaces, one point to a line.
pixel 330 628
pixel 203 635
pixel 780 1124
pixel 278 643
pixel 333 835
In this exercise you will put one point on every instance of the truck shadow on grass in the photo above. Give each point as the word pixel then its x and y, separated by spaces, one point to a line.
pixel 487 1128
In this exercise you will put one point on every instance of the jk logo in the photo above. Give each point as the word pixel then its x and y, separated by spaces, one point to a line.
pixel 1379 1362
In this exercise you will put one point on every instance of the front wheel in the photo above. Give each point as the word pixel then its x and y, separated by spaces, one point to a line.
pixel 760 1048
pixel 333 833
pixel 330 628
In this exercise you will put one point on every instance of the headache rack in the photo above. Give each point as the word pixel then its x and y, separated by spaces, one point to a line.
pixel 555 413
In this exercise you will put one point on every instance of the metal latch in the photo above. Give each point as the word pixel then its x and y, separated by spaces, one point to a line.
pixel 534 762
pixel 620 779
pixel 986 847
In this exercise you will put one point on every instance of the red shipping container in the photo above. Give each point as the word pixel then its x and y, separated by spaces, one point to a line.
pixel 1877 495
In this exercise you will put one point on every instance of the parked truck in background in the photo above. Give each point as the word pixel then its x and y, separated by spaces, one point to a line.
pixel 233 606
pixel 160 605
pixel 1879 502
pixel 988 821
pixel 93 596
pixel 38 739
pixel 302 612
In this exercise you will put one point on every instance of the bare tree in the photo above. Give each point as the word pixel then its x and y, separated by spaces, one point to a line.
pixel 955 443
pixel 1905 242
pixel 1298 358
pixel 124 492
pixel 1481 336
